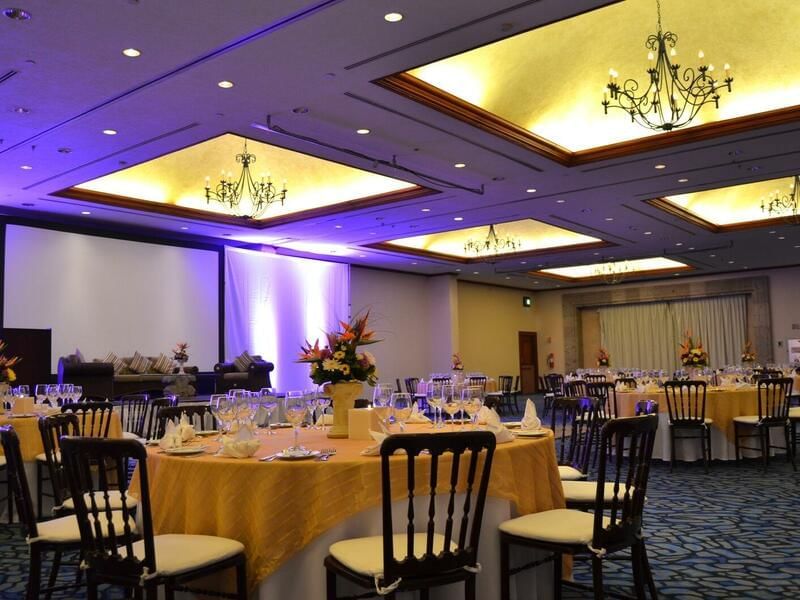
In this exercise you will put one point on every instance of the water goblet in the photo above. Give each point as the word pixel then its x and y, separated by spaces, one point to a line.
pixel 451 402
pixel 269 402
pixel 433 395
pixel 22 391
pixel 40 393
pixel 53 394
pixel 323 402
pixel 472 401
pixel 402 404
pixel 382 403
pixel 296 408
pixel 311 404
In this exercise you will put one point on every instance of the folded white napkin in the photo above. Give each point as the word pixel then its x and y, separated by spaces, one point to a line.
pixel 172 437
pixel 243 444
pixel 417 416
pixel 374 449
pixel 186 429
pixel 530 422
pixel 492 420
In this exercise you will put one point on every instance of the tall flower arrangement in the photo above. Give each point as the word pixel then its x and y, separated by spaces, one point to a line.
pixel 455 363
pixel 603 358
pixel 7 374
pixel 340 359
pixel 179 351
pixel 748 355
pixel 693 355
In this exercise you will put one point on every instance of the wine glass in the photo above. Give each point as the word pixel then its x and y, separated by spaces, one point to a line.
pixel 52 394
pixel 323 402
pixel 296 408
pixel 433 394
pixel 40 393
pixel 269 403
pixel 311 405
pixel 382 403
pixel 67 393
pixel 220 406
pixel 77 392
pixel 401 407
pixel 472 401
pixel 451 402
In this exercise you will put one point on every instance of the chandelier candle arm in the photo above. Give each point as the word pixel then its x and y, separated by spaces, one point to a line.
pixel 779 204
pixel 491 244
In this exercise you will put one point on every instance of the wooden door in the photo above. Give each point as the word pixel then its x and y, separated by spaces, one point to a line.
pixel 528 362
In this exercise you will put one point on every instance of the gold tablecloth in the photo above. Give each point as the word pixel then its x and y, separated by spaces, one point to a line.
pixel 721 406
pixel 30 441
pixel 276 508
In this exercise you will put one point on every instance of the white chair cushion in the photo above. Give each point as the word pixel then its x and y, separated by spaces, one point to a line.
pixel 747 419
pixel 794 412
pixel 568 473
pixel 178 553
pixel 114 497
pixel 365 555
pixel 561 526
pixel 127 435
pixel 586 491
pixel 2 461
pixel 65 529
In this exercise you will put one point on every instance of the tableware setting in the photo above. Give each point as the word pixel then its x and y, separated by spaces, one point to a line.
pixel 243 444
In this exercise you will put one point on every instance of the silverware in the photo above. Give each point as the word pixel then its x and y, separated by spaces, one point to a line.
pixel 325 454
pixel 269 458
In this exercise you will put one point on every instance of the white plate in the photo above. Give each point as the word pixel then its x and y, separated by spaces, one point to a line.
pixel 207 432
pixel 285 456
pixel 151 442
pixel 21 415
pixel 186 450
pixel 533 433
pixel 512 424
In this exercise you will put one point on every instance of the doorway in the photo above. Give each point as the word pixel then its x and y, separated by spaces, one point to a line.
pixel 528 362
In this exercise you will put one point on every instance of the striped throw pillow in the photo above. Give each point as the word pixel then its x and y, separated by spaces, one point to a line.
pixel 163 364
pixel 242 362
pixel 140 364
pixel 119 364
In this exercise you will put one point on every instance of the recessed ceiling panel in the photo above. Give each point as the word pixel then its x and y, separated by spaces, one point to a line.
pixel 550 81
pixel 622 267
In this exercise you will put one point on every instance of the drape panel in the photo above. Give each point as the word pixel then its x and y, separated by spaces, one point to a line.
pixel 647 335
pixel 274 303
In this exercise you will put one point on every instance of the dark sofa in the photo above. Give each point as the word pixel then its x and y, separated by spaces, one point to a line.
pixel 256 377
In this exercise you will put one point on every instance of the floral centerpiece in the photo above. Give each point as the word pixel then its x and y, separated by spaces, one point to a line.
pixel 603 358
pixel 748 356
pixel 7 374
pixel 693 355
pixel 179 352
pixel 456 363
pixel 343 368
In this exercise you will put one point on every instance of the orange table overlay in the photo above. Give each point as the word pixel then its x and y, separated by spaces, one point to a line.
pixel 277 508
pixel 30 441
pixel 721 406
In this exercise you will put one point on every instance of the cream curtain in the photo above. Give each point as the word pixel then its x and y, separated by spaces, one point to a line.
pixel 647 335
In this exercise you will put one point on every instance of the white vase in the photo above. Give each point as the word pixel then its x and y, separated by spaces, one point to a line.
pixel 343 398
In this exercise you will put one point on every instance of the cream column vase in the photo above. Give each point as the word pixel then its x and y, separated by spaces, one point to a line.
pixel 343 397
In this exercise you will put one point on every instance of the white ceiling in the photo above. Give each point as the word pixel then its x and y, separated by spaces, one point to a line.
pixel 323 56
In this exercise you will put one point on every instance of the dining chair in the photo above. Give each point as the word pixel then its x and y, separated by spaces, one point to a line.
pixel 505 391
pixel 645 407
pixel 613 525
pixel 133 414
pixel 595 378
pixel 576 388
pixel 572 421
pixel 606 395
pixel 92 398
pixel 773 413
pixel 170 560
pixel 423 556
pixel 626 382
pixel 554 388
pixel 151 419
pixel 686 405
pixel 94 417
pixel 197 414
pixel 51 430
pixel 441 380
pixel 411 384
pixel 8 499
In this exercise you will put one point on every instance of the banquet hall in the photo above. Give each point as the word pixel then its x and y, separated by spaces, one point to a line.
pixel 570 223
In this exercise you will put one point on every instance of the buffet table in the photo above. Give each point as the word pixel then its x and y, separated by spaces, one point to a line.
pixel 721 406
pixel 287 513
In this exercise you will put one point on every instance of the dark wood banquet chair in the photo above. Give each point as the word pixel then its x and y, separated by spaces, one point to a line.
pixel 572 421
pixel 151 419
pixel 94 417
pixel 8 499
pixel 442 380
pixel 773 413
pixel 595 378
pixel 478 381
pixel 197 414
pixel 627 382
pixel 613 525
pixel 553 388
pixel 170 560
pixel 645 407
pixel 133 410
pixel 92 398
pixel 397 385
pixel 411 384
pixel 576 388
pixel 52 429
pixel 686 405
pixel 421 557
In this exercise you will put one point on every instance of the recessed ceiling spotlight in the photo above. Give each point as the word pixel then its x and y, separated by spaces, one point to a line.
pixel 536 282
pixel 362 256
pixel 17 14
pixel 460 165
pixel 771 232
pixel 458 218
pixel 425 210
pixel 413 263
pixel 523 262
pixel 595 253
pixel 362 131
pixel 372 233
pixel 679 243
pixel 25 167
pixel 225 84
pixel 132 52
pixel 609 218
pixel 531 190
pixel 393 17
pixel 730 262
pixel 86 212
pixel 648 233
pixel 691 247
pixel 184 228
pixel 508 278
pixel 712 256
pixel 683 180
pixel 337 226
pixel 21 110
pixel 781 237
pixel 798 246
pixel 110 131
pixel 476 273
pixel 660 166
pixel 560 201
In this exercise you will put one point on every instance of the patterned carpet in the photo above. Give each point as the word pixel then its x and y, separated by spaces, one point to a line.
pixel 732 534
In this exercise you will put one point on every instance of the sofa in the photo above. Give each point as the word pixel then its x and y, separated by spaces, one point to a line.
pixel 98 377
pixel 230 375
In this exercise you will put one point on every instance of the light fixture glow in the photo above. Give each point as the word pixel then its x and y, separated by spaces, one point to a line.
pixel 110 131
pixel 85 212
pixel 132 52
pixel 683 180
pixel 660 166
pixel 648 233
pixel 362 131
pixel 393 17
pixel 560 201
pixel 425 210
pixel 460 165
pixel 26 167
pixel 531 190
pixel 225 84
pixel 632 266
pixel 458 218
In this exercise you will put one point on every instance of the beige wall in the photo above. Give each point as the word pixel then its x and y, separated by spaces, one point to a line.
pixel 489 319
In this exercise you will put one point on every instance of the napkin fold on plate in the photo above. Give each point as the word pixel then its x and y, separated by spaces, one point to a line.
pixel 172 437
pixel 417 416
pixel 186 429
pixel 375 449
pixel 530 422
pixel 492 420
pixel 241 445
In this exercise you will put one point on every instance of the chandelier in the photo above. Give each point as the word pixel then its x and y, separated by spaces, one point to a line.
pixel 783 204
pixel 672 99
pixel 245 197
pixel 612 272
pixel 491 244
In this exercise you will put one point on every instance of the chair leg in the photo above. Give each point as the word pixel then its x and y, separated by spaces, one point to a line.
pixel 469 588
pixel 10 496
pixel 558 575
pixel 789 447
pixel 39 491
pixel 54 567
pixel 705 445
pixel 671 448
pixel 241 579
pixel 169 592
pixel 597 577
pixel 424 594
pixel 91 587
pixel 648 573
pixel 505 584
pixel 638 570
pixel 330 584
pixel 762 437
pixel 34 573
pixel 736 442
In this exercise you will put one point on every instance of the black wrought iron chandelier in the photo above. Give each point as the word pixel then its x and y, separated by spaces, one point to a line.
pixel 492 244
pixel 613 272
pixel 245 197
pixel 778 205
pixel 672 99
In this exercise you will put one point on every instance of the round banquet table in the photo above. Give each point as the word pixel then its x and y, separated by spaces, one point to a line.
pixel 287 513
pixel 721 407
